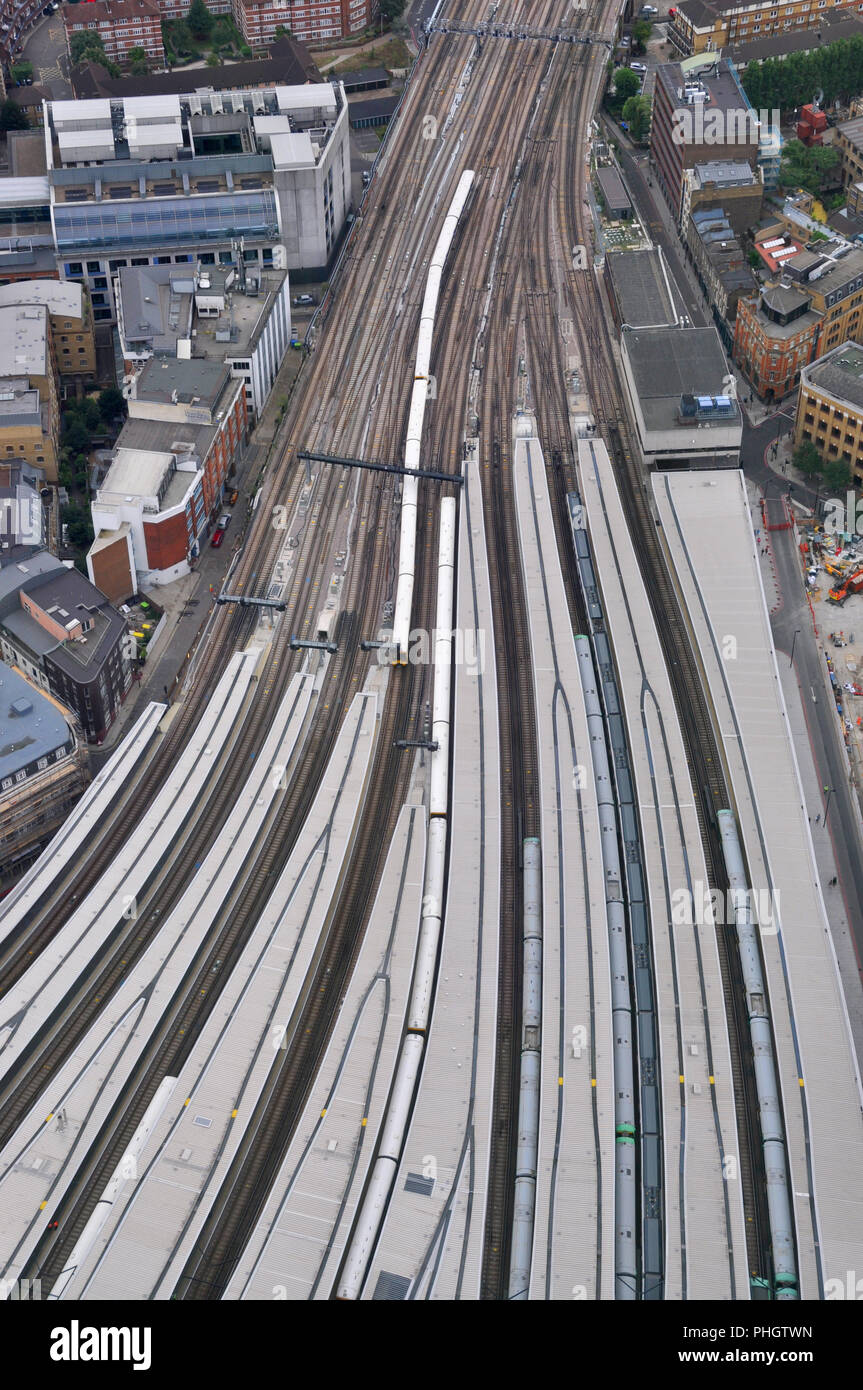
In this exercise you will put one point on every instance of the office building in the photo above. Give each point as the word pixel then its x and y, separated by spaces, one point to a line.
pixel 830 407
pixel 240 317
pixel 173 180
pixel 699 117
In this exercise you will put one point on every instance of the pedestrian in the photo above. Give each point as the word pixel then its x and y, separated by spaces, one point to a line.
pixel 818 819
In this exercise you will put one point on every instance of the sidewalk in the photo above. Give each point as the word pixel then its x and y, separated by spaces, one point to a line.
pixel 843 940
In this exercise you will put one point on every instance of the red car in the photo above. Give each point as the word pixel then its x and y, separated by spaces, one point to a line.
pixel 218 537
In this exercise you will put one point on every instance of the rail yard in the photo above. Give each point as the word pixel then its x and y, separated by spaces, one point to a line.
pixel 475 949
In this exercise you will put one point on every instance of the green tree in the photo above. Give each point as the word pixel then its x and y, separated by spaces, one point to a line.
pixel 626 84
pixel 754 259
pixel 213 60
pixel 76 436
pixel 77 518
pixel 636 113
pixel 807 458
pixel 837 473
pixel 111 404
pixel 283 33
pixel 12 117
pixel 391 9
pixel 641 31
pixel 19 71
pixel 807 167
pixel 88 414
pixel 139 62
pixel 199 20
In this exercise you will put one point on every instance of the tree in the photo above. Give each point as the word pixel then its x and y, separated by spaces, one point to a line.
pixel 626 84
pixel 391 9
pixel 641 31
pixel 213 60
pixel 199 20
pixel 76 436
pixel 12 117
pixel 837 473
pixel 636 113
pixel 77 518
pixel 807 167
pixel 807 458
pixel 87 411
pixel 111 404
pixel 754 259
pixel 140 63
pixel 19 71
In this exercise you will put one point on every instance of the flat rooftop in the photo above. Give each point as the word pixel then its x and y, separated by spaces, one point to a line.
pixel 668 363
pixel 62 298
pixel 161 436
pixel 724 173
pixel 195 381
pixel 24 349
pixel 31 727
pixel 840 373
pixel 641 287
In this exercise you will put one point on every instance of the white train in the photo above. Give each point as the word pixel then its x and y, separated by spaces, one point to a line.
pixel 398 1109
pixel 408 538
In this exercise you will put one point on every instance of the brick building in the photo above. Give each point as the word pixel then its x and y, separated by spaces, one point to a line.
pixel 121 25
pixel 29 404
pixel 43 771
pixel 728 184
pixel 70 319
pixel 175 456
pixel 310 21
pixel 699 119
pixel 66 637
pixel 700 26
pixel 830 407
pixel 815 307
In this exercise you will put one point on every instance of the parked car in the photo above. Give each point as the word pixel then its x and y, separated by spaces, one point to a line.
pixel 233 497
pixel 218 537
pixel 224 522
pixel 304 299
pixel 638 67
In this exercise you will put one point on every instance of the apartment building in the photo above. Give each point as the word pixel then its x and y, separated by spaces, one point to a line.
pixel 833 24
pixel 830 407
pixel 699 119
pixel 70 318
pixel 43 771
pixel 175 456
pixel 209 177
pixel 310 21
pixel 121 25
pixel 702 26
pixel 29 403
pixel 816 306
pixel 66 637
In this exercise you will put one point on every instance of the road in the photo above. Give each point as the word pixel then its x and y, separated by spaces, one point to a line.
pixel 45 48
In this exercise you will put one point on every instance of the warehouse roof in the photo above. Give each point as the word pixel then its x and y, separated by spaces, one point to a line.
pixel 640 287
